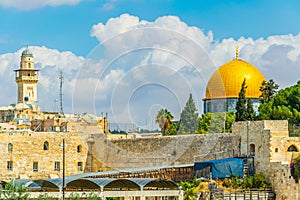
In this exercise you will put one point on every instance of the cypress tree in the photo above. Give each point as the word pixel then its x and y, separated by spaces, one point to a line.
pixel 241 109
pixel 189 120
pixel 250 110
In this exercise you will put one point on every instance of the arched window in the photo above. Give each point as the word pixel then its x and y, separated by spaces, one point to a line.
pixel 46 145
pixel 292 148
pixel 79 148
pixel 10 147
pixel 252 149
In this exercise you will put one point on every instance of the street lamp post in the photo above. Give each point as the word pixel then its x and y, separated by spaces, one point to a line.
pixel 63 183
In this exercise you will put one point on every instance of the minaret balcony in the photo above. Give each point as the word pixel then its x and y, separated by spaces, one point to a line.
pixel 27 78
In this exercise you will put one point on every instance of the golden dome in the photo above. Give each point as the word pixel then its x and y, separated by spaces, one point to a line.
pixel 227 81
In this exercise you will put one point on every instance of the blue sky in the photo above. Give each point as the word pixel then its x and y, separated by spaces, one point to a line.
pixel 132 57
pixel 67 27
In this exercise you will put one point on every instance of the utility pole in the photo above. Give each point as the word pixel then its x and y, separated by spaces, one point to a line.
pixel 64 160
pixel 61 78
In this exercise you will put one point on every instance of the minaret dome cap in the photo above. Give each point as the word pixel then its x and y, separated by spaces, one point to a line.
pixel 27 52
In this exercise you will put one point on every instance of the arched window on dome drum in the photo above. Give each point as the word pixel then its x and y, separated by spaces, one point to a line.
pixel 10 147
pixel 252 149
pixel 292 148
pixel 79 148
pixel 46 145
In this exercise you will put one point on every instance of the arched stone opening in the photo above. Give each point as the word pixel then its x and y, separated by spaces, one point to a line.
pixel 292 148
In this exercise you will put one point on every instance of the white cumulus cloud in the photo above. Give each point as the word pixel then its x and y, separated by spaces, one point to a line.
pixel 141 65
pixel 188 52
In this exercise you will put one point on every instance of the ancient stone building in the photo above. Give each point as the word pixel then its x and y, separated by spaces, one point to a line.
pixel 269 143
pixel 34 155
pixel 30 140
pixel 28 154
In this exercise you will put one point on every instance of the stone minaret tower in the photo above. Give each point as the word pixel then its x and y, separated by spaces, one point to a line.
pixel 27 79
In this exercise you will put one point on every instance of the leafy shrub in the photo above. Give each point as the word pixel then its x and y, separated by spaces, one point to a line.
pixel 46 197
pixel 13 191
pixel 258 181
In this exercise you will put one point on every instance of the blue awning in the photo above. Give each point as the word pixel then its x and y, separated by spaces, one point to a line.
pixel 222 168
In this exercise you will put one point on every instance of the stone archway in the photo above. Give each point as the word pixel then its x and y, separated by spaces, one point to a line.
pixel 292 148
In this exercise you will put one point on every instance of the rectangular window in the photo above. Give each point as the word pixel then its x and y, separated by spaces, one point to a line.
pixel 57 166
pixel 35 166
pixel 80 167
pixel 9 165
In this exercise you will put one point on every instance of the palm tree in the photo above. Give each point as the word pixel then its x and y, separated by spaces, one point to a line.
pixel 164 119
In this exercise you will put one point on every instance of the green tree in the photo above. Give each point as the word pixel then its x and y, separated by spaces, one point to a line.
pixel 250 110
pixel 204 123
pixel 258 181
pixel 164 119
pixel 215 122
pixel 189 119
pixel 241 109
pixel 285 105
pixel 173 129
pixel 190 189
pixel 268 90
pixel 230 118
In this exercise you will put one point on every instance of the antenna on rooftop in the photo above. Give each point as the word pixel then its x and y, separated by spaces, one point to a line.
pixel 61 78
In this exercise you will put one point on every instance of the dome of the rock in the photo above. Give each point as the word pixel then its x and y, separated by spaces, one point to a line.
pixel 226 82
pixel 224 86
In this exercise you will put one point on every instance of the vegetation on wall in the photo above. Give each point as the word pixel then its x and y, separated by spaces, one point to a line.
pixel 295 168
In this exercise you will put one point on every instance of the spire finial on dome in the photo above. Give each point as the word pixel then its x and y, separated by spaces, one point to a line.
pixel 27 52
pixel 237 52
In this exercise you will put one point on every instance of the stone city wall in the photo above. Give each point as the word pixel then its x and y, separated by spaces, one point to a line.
pixel 159 151
pixel 285 187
